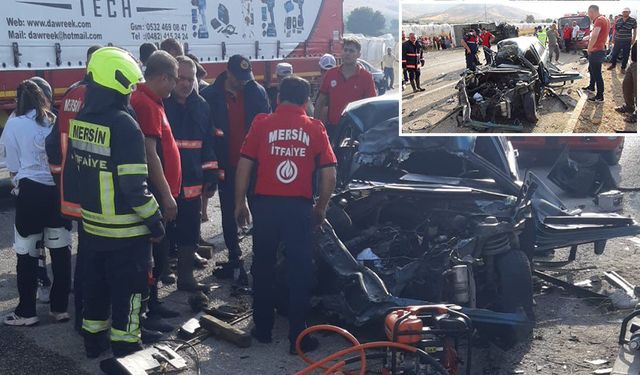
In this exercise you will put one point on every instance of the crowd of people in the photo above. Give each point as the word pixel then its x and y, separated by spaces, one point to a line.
pixel 134 152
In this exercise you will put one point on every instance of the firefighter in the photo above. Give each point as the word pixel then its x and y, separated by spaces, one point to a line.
pixel 235 99
pixel 470 44
pixel 190 120
pixel 412 54
pixel 56 147
pixel 106 158
pixel 287 148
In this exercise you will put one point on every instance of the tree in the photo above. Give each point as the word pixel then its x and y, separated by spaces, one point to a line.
pixel 530 19
pixel 548 20
pixel 365 21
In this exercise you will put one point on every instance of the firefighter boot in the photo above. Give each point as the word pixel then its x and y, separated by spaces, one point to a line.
pixel 205 251
pixel 186 281
pixel 123 348
pixel 156 307
pixel 95 344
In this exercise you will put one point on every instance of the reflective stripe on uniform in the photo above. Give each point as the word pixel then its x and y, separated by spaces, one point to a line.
pixel 148 209
pixel 90 147
pixel 70 209
pixel 412 54
pixel 189 144
pixel 107 193
pixel 55 168
pixel 210 165
pixel 127 169
pixel 192 191
pixel 410 66
pixel 133 323
pixel 137 231
pixel 118 335
pixel 95 326
pixel 111 219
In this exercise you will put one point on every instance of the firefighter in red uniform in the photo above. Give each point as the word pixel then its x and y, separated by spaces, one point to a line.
pixel 470 44
pixel 405 78
pixel 190 120
pixel 56 147
pixel 412 54
pixel 286 148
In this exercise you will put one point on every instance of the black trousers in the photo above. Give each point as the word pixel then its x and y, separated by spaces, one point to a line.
pixel 113 286
pixel 595 72
pixel 414 76
pixel 623 46
pixel 279 220
pixel 471 61
pixel 226 191
pixel 186 231
pixel 37 209
pixel 78 276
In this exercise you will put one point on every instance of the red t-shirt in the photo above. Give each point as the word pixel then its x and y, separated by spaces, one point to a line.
pixel 486 37
pixel 603 23
pixel 288 147
pixel 566 34
pixel 237 131
pixel 153 123
pixel 342 91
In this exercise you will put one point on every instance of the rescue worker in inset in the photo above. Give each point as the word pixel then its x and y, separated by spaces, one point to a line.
pixel 106 159
pixel 286 149
pixel 163 160
pixel 37 214
pixel 235 99
pixel 56 146
pixel 412 53
pixel 470 44
pixel 192 128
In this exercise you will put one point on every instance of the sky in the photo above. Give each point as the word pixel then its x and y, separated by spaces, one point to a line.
pixel 554 8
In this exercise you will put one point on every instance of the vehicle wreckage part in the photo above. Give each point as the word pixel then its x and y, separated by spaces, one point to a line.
pixel 609 201
pixel 618 281
pixel 581 174
pixel 632 328
pixel 569 287
pixel 356 347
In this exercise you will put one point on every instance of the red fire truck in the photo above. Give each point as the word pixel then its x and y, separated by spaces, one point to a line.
pixel 50 38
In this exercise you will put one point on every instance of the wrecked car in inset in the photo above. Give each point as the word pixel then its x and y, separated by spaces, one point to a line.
pixel 419 220
pixel 506 94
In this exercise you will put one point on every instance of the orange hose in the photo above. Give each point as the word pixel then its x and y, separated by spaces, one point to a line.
pixel 341 332
pixel 361 348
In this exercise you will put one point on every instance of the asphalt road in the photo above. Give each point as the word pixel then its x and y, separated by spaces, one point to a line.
pixel 56 349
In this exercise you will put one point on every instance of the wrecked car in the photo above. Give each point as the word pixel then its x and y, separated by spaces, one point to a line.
pixel 506 94
pixel 418 220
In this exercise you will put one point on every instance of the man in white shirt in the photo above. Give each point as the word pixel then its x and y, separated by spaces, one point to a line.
pixel 387 66
pixel 574 35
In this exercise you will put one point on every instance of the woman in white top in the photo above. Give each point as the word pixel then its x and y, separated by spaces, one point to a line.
pixel 37 206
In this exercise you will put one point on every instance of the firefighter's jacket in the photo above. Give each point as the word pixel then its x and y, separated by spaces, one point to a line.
pixel 412 54
pixel 192 128
pixel 57 143
pixel 106 159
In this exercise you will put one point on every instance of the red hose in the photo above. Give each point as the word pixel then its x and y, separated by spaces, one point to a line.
pixel 341 332
pixel 361 348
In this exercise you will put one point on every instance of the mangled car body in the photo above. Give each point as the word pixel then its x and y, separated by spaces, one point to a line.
pixel 420 220
pixel 506 94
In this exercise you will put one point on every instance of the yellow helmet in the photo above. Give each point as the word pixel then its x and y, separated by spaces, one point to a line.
pixel 115 69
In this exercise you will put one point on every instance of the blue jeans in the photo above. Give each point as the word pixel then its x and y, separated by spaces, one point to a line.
pixel 595 72
pixel 388 76
pixel 623 46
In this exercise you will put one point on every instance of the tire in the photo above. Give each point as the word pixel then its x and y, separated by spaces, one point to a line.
pixel 612 157
pixel 530 108
pixel 381 88
pixel 515 293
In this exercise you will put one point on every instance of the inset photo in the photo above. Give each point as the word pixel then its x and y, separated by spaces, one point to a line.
pixel 519 67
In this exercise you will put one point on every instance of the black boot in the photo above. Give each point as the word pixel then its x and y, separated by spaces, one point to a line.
pixel 186 281
pixel 150 337
pixel 156 307
pixel 156 323
pixel 95 344
pixel 123 349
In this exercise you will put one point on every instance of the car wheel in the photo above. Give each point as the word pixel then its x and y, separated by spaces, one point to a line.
pixel 529 107
pixel 612 157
